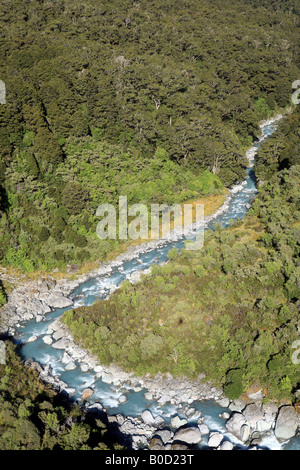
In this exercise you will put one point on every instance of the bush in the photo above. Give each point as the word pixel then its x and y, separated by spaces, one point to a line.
pixel 233 387
pixel 2 295
pixel 151 346
pixel 262 107
pixel 74 238
pixel 74 197
pixel 32 165
pixel 200 271
pixel 44 234
pixel 18 259
pixel 173 253
pixel 57 234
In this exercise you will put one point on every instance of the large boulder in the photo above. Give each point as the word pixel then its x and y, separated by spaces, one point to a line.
pixel 58 334
pixel 58 301
pixel 253 413
pixel 32 339
pixel 270 411
pixel 177 422
pixel 47 339
pixel 189 435
pixel 165 435
pixel 237 405
pixel 204 429
pixel 148 396
pixel 138 440
pixel 263 426
pixel 245 433
pixel 147 417
pixel 235 424
pixel 159 420
pixel 107 377
pixel 87 393
pixel 66 358
pixel 61 343
pixel 287 423
pixel 122 399
pixel 226 445
pixel 215 439
pixel 178 446
pixel 156 444
pixel 70 366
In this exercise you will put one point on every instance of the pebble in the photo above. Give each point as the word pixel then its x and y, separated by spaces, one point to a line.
pixel 224 415
pixel 32 339
pixel 122 399
pixel 226 445
pixel 204 429
pixel 70 366
pixel 177 422
pixel 48 339
pixel 215 439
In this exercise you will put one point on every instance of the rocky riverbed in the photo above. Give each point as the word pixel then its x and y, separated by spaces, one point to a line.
pixel 247 421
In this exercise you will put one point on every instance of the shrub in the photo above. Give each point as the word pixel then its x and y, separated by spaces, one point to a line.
pixel 173 253
pixel 200 271
pixel 233 387
pixel 74 197
pixel 44 234
pixel 74 238
pixel 151 346
pixel 57 234
pixel 2 295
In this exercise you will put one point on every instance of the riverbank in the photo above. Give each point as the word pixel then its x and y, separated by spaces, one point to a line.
pixel 12 277
pixel 37 297
pixel 249 422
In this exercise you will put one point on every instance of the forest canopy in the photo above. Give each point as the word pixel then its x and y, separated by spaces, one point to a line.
pixel 137 97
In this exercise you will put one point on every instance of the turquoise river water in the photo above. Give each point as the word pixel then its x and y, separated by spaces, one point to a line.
pixel 100 287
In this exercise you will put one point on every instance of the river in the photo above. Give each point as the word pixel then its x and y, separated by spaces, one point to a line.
pixel 99 287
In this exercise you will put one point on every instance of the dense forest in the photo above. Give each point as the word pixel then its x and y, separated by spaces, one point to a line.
pixel 35 417
pixel 157 101
pixel 282 150
pixel 151 100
